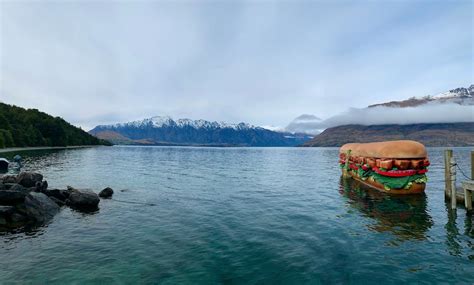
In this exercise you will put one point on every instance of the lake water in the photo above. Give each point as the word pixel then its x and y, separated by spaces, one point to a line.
pixel 237 216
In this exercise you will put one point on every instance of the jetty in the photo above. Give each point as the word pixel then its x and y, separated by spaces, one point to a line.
pixel 458 195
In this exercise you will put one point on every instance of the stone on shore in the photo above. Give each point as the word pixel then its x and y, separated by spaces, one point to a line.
pixel 9 179
pixel 41 186
pixel 6 210
pixel 59 194
pixel 57 201
pixel 11 197
pixel 82 200
pixel 29 179
pixel 40 208
pixel 106 193
pixel 17 187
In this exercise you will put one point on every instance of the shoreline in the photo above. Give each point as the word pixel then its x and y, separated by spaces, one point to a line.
pixel 13 149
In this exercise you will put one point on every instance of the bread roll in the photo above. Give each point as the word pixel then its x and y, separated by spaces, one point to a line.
pixel 403 149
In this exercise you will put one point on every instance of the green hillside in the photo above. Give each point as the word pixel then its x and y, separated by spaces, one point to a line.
pixel 21 127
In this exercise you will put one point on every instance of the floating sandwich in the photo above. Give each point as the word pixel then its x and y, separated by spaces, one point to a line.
pixel 397 167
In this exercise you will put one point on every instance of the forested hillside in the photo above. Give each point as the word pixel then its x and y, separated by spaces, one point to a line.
pixel 20 127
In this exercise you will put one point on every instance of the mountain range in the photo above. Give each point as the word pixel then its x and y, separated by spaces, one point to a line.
pixel 163 130
pixel 446 119
pixel 443 134
pixel 461 96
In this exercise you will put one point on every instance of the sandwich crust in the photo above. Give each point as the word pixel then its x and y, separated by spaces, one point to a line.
pixel 388 149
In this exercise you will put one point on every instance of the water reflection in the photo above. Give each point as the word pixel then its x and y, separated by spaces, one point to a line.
pixel 405 217
pixel 455 238
pixel 34 160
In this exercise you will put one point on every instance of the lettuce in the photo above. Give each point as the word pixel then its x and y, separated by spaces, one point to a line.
pixel 399 182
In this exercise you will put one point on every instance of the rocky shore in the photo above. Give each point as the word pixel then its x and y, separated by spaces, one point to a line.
pixel 25 200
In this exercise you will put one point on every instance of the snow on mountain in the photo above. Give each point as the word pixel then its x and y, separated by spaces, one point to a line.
pixel 460 96
pixel 163 130
pixel 166 121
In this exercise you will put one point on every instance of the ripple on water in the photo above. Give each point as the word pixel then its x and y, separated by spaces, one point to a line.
pixel 237 215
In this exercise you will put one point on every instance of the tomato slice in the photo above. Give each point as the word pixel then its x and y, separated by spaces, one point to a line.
pixel 353 166
pixel 395 173
pixel 423 171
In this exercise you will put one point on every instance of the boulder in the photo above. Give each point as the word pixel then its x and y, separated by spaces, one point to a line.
pixel 106 193
pixel 41 186
pixel 9 179
pixel 57 201
pixel 6 211
pixel 58 194
pixel 29 179
pixel 17 220
pixel 83 200
pixel 11 197
pixel 39 207
pixel 8 185
pixel 17 187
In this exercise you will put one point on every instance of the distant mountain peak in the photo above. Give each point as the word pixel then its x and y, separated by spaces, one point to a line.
pixel 460 96
pixel 167 121
pixel 164 130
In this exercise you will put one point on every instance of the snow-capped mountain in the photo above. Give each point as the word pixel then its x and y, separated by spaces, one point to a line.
pixel 166 121
pixel 460 96
pixel 165 130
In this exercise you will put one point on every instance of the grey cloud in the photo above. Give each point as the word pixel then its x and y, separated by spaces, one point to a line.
pixel 429 113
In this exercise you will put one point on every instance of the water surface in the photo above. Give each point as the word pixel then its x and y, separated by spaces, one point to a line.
pixel 237 215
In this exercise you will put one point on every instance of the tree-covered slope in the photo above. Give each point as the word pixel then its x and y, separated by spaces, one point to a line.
pixel 21 127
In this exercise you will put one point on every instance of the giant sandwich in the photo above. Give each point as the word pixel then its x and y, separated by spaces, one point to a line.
pixel 397 167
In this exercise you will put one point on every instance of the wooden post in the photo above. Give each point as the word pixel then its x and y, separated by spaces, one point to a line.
pixel 447 176
pixel 452 166
pixel 472 165
pixel 468 187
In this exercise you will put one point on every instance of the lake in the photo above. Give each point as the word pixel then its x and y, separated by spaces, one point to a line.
pixel 185 215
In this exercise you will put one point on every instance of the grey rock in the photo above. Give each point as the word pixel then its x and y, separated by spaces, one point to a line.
pixel 41 186
pixel 40 207
pixel 83 200
pixel 106 193
pixel 9 185
pixel 6 211
pixel 9 179
pixel 11 197
pixel 57 201
pixel 17 187
pixel 17 220
pixel 29 179
pixel 58 194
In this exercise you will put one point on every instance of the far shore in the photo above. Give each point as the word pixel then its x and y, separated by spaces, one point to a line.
pixel 13 149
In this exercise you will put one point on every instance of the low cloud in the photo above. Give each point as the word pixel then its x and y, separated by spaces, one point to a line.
pixel 429 113
pixel 304 124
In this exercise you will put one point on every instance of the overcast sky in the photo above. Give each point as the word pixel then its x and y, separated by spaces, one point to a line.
pixel 265 63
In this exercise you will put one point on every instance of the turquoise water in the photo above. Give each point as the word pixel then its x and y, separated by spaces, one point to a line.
pixel 237 216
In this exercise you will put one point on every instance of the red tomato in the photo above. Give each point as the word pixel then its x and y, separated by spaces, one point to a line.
pixel 395 173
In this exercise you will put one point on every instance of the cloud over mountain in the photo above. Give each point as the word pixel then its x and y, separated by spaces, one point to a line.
pixel 304 124
pixel 380 115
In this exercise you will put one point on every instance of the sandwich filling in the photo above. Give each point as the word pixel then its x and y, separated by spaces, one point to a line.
pixel 391 173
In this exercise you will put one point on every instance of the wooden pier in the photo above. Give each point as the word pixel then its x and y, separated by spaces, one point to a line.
pixel 457 195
